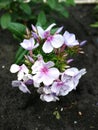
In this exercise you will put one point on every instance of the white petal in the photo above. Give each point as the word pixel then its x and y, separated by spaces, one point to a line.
pixel 55 88
pixel 47 48
pixel 71 71
pixel 57 41
pixel 47 98
pixel 36 67
pixel 47 90
pixel 36 85
pixel 47 80
pixel 20 75
pixel 38 78
pixel 16 83
pixel 50 27
pixel 70 39
pixel 49 64
pixel 14 68
pixel 54 73
pixel 28 44
pixel 40 32
pixel 24 69
pixel 24 88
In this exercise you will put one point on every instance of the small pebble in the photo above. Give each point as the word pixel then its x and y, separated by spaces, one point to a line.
pixel 3 66
pixel 80 113
pixel 75 122
pixel 62 109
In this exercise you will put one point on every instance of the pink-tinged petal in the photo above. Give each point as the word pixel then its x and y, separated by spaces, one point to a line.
pixel 83 43
pixel 48 98
pixel 54 73
pixel 70 39
pixel 16 83
pixel 36 67
pixel 38 78
pixel 51 75
pixel 55 88
pixel 49 64
pixel 26 77
pixel 82 71
pixel 57 41
pixel 47 47
pixel 14 68
pixel 40 32
pixel 50 27
pixel 28 44
pixel 59 30
pixel 71 71
pixel 20 75
pixel 47 80
pixel 24 88
pixel 34 28
pixel 36 85
pixel 47 90
pixel 24 69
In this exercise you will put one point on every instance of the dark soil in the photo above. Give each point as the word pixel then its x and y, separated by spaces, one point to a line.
pixel 78 110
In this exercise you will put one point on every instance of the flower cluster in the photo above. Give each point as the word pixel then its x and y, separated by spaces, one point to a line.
pixel 46 65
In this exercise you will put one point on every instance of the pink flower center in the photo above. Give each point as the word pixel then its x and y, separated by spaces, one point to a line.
pixel 60 84
pixel 44 70
pixel 50 38
pixel 46 34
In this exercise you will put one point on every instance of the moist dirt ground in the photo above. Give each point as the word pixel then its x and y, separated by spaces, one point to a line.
pixel 78 110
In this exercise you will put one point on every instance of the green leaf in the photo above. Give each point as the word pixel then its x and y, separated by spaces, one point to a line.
pixel 5 20
pixel 4 3
pixel 20 50
pixel 21 56
pixel 25 8
pixel 52 3
pixel 95 25
pixel 70 2
pixel 17 29
pixel 41 21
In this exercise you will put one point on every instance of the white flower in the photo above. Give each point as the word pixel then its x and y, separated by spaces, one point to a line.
pixel 22 70
pixel 73 74
pixel 69 81
pixel 70 39
pixel 47 95
pixel 22 87
pixel 29 44
pixel 44 72
pixel 54 41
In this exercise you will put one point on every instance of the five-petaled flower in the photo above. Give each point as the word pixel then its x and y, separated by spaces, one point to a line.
pixel 44 72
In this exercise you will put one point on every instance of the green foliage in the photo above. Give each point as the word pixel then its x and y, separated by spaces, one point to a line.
pixel 38 12
pixel 95 25
pixel 95 16
pixel 25 8
pixel 41 20
pixel 5 20
pixel 17 29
